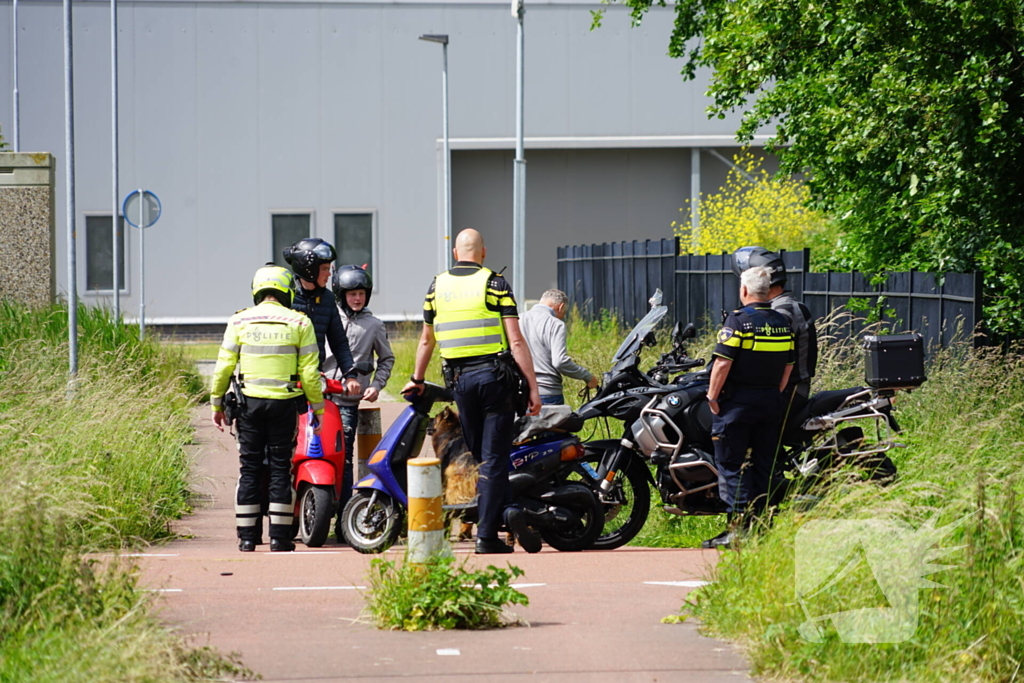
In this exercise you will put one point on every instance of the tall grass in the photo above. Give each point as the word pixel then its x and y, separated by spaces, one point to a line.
pixel 88 466
pixel 965 437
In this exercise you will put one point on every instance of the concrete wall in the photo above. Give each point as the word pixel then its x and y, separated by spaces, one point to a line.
pixel 233 110
pixel 27 229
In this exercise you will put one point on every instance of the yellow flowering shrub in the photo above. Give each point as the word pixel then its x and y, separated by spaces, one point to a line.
pixel 752 208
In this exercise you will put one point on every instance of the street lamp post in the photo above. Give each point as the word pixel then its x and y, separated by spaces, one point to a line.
pixel 519 171
pixel 445 236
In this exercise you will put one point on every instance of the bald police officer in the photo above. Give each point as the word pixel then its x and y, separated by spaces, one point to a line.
pixel 753 360
pixel 471 314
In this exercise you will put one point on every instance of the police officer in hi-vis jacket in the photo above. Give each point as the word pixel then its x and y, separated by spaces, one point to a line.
pixel 471 315
pixel 274 349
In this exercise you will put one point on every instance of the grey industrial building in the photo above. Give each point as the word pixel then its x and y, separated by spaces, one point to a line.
pixel 260 122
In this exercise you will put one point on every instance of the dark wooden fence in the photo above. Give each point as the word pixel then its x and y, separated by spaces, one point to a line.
pixel 620 277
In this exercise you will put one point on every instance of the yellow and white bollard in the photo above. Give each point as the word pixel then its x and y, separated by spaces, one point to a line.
pixel 427 538
pixel 368 434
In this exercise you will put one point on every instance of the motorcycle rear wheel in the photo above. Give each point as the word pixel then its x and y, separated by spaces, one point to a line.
pixel 626 506
pixel 583 535
pixel 315 512
pixel 371 529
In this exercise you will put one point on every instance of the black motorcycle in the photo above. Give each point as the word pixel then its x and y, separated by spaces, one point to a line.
pixel 667 423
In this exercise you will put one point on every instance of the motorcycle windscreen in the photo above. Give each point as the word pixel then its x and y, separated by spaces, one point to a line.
pixel 637 334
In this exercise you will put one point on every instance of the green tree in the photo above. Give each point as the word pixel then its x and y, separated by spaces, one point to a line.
pixel 908 116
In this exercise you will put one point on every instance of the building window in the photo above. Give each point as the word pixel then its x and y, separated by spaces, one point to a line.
pixel 99 254
pixel 288 228
pixel 353 238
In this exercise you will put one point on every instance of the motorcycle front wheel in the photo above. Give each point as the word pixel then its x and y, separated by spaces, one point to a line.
pixel 371 528
pixel 582 535
pixel 315 512
pixel 626 505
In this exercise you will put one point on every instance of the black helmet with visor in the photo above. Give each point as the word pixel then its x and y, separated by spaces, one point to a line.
pixel 746 258
pixel 306 256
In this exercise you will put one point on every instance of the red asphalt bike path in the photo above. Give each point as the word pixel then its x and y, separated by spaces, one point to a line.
pixel 593 616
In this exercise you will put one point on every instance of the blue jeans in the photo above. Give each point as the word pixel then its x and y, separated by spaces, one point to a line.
pixel 552 400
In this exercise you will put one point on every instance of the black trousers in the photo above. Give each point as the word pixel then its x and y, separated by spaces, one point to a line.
pixel 750 419
pixel 487 414
pixel 267 429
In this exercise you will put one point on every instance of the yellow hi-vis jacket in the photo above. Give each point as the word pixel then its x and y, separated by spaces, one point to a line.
pixel 463 325
pixel 274 347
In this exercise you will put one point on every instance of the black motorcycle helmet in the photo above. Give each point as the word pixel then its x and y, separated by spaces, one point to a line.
pixel 306 256
pixel 347 279
pixel 746 258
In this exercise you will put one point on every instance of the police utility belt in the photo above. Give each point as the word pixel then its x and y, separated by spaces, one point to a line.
pixel 234 401
pixel 504 365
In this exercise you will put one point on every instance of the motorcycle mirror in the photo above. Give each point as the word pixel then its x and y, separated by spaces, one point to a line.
pixel 676 337
pixel 656 298
pixel 689 332
pixel 650 339
pixel 363 367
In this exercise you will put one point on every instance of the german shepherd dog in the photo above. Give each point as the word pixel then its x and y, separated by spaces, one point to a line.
pixel 457 463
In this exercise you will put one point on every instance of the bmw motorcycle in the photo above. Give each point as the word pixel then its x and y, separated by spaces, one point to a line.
pixel 667 428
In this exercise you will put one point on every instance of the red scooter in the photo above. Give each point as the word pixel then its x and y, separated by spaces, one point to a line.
pixel 317 470
pixel 318 463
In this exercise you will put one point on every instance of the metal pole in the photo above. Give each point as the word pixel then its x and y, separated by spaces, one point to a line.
pixel 694 199
pixel 69 153
pixel 519 177
pixel 115 228
pixel 17 106
pixel 142 266
pixel 447 165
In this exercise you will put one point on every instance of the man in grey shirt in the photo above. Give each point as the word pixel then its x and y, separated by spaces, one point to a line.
pixel 545 334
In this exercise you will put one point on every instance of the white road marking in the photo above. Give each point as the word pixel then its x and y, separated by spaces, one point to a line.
pixel 162 590
pixel 683 584
pixel 448 652
pixel 319 588
pixel 141 555
pixel 526 585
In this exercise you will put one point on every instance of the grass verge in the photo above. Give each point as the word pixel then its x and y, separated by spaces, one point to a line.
pixel 964 431
pixel 89 466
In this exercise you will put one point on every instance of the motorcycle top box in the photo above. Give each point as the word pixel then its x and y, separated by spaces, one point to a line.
pixel 894 361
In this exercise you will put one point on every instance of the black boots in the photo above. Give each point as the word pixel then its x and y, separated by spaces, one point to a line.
pixel 281 545
pixel 492 546
pixel 246 545
pixel 725 539
pixel 515 520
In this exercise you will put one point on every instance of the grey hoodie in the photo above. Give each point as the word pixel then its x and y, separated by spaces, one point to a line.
pixel 367 337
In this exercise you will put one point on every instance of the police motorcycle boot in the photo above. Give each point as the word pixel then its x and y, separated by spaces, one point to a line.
pixel 725 539
pixel 492 546
pixel 281 545
pixel 246 545
pixel 515 520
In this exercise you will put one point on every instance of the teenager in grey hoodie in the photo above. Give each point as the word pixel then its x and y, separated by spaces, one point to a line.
pixel 545 334
pixel 367 338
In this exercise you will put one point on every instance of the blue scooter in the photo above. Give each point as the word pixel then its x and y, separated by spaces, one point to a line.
pixel 567 514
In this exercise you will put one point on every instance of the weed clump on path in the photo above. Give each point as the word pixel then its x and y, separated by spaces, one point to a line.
pixel 441 594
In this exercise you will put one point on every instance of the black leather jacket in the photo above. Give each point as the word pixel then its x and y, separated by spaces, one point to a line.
pixel 319 304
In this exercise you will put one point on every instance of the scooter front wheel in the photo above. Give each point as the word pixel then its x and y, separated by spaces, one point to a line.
pixel 371 521
pixel 315 512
